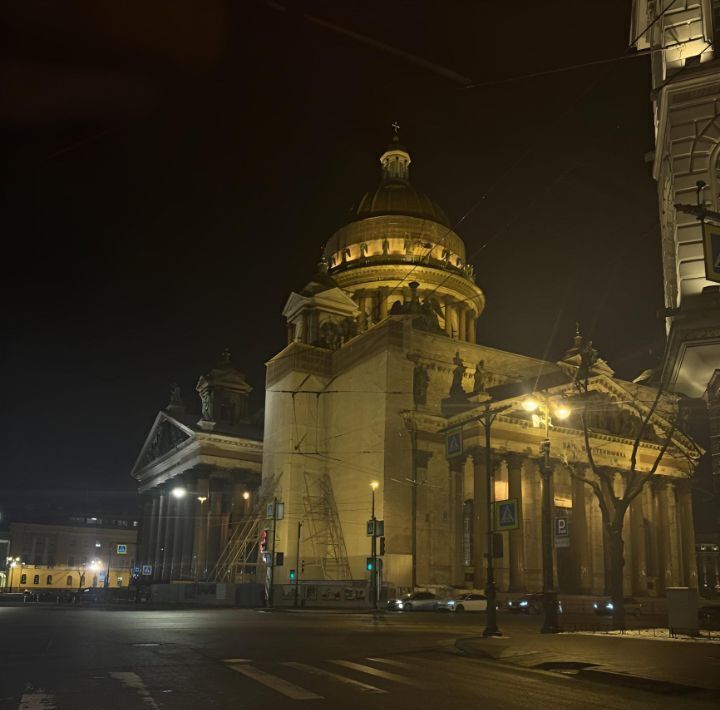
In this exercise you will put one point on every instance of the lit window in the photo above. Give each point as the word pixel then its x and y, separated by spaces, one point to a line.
pixel 98 544
pixel 36 579
pixel 23 579
pixel 95 581
pixel 69 581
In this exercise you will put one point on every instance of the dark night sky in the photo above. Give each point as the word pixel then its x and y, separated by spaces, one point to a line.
pixel 172 171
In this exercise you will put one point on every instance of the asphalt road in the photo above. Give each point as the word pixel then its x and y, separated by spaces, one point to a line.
pixel 84 658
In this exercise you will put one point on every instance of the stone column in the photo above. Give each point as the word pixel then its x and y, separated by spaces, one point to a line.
pixel 636 523
pixel 147 546
pixel 361 305
pixel 449 309
pixel 532 533
pixel 674 524
pixel 687 534
pixel 169 530
pixel 177 541
pixel 663 535
pixel 455 506
pixel 471 322
pixel 159 535
pixel 480 517
pixel 462 323
pixel 216 540
pixel 516 541
pixel 580 539
pixel 200 536
pixel 382 302
pixel 188 535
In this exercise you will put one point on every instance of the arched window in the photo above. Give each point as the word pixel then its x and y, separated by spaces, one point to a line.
pixel 69 581
pixel 95 581
pixel 23 579
pixel 36 579
pixel 49 579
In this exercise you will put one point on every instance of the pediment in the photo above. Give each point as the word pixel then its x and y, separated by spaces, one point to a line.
pixel 166 435
pixel 334 300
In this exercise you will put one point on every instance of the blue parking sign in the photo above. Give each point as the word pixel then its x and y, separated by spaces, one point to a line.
pixel 453 443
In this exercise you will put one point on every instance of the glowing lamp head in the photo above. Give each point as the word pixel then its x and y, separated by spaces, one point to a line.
pixel 246 495
pixel 179 492
pixel 374 485
pixel 202 499
pixel 562 411
pixel 530 404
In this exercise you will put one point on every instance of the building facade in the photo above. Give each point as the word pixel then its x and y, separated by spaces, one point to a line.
pixel 381 361
pixel 47 557
pixel 197 478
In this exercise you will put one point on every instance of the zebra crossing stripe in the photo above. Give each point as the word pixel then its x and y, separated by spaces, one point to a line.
pixel 390 662
pixel 369 670
pixel 365 687
pixel 290 690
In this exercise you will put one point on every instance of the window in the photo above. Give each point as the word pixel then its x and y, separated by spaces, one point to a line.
pixel 36 579
pixel 95 581
pixel 49 579
pixel 119 581
pixel 69 581
pixel 23 579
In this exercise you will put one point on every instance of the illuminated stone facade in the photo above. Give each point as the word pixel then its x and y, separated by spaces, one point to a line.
pixel 683 38
pixel 381 360
pixel 213 461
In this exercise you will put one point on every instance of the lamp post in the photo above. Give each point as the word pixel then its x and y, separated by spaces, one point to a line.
pixel 550 619
pixel 373 548
pixel 12 564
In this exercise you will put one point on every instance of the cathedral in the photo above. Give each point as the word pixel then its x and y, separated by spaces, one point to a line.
pixel 375 408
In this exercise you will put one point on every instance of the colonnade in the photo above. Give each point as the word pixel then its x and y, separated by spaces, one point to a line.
pixel 460 317
pixel 182 538
pixel 658 530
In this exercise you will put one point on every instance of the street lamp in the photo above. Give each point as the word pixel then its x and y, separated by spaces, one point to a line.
pixel 12 564
pixel 179 492
pixel 562 411
pixel 374 485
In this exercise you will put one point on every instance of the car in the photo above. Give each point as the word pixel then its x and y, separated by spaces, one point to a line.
pixel 527 604
pixel 467 602
pixel 605 607
pixel 416 601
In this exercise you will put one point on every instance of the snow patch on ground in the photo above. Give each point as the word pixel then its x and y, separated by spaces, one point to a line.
pixel 654 635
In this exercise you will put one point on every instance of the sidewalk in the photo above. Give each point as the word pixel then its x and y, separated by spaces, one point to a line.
pixel 639 662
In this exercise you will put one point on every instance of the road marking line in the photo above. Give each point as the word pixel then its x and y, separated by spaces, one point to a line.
pixel 134 681
pixel 237 660
pixel 390 662
pixel 272 681
pixel 365 687
pixel 374 671
pixel 37 700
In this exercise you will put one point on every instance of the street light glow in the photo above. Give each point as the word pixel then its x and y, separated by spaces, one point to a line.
pixel 530 404
pixel 563 411
pixel 246 495
pixel 202 499
pixel 374 485
pixel 179 492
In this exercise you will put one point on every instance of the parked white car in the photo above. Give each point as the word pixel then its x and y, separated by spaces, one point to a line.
pixel 467 602
pixel 417 601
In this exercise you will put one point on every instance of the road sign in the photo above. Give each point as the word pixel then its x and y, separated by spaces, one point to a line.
pixel 375 527
pixel 562 532
pixel 453 443
pixel 280 511
pixel 711 243
pixel 506 514
pixel 146 570
pixel 122 549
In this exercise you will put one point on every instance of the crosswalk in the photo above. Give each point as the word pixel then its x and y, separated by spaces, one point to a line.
pixel 373 675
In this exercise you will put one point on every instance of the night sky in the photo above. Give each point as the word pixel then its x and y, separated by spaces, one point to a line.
pixel 172 170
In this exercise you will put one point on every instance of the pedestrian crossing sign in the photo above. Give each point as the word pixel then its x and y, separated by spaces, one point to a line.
pixel 453 443
pixel 506 514
pixel 711 243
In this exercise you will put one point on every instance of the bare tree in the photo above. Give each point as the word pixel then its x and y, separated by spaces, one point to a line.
pixel 643 423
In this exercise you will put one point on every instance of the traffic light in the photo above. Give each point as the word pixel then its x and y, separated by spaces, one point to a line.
pixel 370 564
pixel 382 546
pixel 292 575
pixel 302 566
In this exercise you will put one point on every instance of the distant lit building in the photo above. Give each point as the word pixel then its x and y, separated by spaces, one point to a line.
pixel 46 557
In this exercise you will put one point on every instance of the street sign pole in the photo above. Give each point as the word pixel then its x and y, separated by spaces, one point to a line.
pixel 297 563
pixel 272 556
